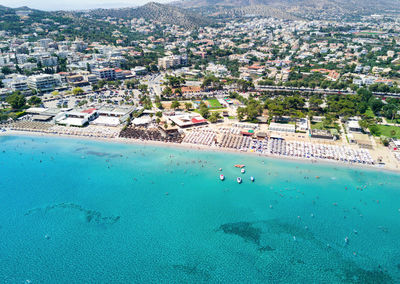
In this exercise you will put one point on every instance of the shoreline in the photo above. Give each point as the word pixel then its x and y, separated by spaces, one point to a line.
pixel 196 147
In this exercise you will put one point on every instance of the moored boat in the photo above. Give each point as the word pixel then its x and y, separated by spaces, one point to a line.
pixel 221 177
pixel 252 179
pixel 242 171
pixel 239 180
pixel 239 166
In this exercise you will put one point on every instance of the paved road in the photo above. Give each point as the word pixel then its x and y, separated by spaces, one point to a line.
pixel 317 91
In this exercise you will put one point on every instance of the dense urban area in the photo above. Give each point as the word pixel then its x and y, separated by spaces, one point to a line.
pixel 313 89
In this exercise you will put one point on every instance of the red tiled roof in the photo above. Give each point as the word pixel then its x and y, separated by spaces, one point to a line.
pixel 90 110
pixel 195 120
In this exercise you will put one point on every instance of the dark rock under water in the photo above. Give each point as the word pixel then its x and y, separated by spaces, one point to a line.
pixel 346 270
pixel 265 248
pixel 194 271
pixel 245 230
pixel 91 216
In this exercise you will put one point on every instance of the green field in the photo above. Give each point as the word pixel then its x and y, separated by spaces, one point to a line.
pixel 320 125
pixel 393 121
pixel 214 103
pixel 389 131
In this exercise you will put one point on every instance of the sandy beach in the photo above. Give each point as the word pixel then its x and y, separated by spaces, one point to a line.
pixel 389 164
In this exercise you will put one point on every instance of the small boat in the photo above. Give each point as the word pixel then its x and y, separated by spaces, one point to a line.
pixel 252 179
pixel 239 180
pixel 221 177
pixel 239 166
pixel 220 169
pixel 346 240
pixel 242 171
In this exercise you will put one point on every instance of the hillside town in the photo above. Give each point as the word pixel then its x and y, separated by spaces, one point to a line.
pixel 295 88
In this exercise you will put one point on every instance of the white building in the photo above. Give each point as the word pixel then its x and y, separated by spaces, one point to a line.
pixel 18 83
pixel 217 69
pixel 353 126
pixel 4 60
pixel 49 61
pixel 45 42
pixel 172 61
pixel 43 82
pixel 112 116
pixel 281 127
pixel 105 73
pixel 76 118
pixel 139 70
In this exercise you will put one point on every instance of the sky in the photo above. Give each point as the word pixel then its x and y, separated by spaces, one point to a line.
pixel 50 5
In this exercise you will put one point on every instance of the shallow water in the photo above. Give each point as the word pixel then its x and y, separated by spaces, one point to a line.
pixel 77 211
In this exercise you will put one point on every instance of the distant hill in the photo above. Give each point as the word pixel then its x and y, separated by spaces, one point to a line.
pixel 152 11
pixel 294 8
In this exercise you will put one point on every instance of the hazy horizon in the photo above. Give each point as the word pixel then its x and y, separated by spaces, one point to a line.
pixel 75 4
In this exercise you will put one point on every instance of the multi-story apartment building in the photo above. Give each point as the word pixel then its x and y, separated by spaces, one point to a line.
pixel 49 61
pixel 43 82
pixel 18 83
pixel 105 73
pixel 172 61
pixel 4 60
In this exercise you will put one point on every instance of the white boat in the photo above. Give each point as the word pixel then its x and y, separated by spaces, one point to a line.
pixel 346 240
pixel 252 179
pixel 221 177
pixel 242 171
pixel 239 180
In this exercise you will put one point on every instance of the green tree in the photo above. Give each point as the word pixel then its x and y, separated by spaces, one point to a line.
pixel 374 130
pixel 6 70
pixel 77 91
pixel 214 117
pixel 175 81
pixel 376 105
pixel 327 120
pixel 315 102
pixel 34 101
pixel 244 85
pixel 188 106
pixel 211 83
pixel 143 88
pixel 241 111
pixel 167 91
pixel 16 100
pixel 175 104
pixel 203 109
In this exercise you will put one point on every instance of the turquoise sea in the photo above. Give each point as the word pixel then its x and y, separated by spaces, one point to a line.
pixel 78 211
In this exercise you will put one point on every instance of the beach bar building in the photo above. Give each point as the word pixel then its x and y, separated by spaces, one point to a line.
pixel 188 120
pixel 282 127
pixel 76 118
pixel 112 116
